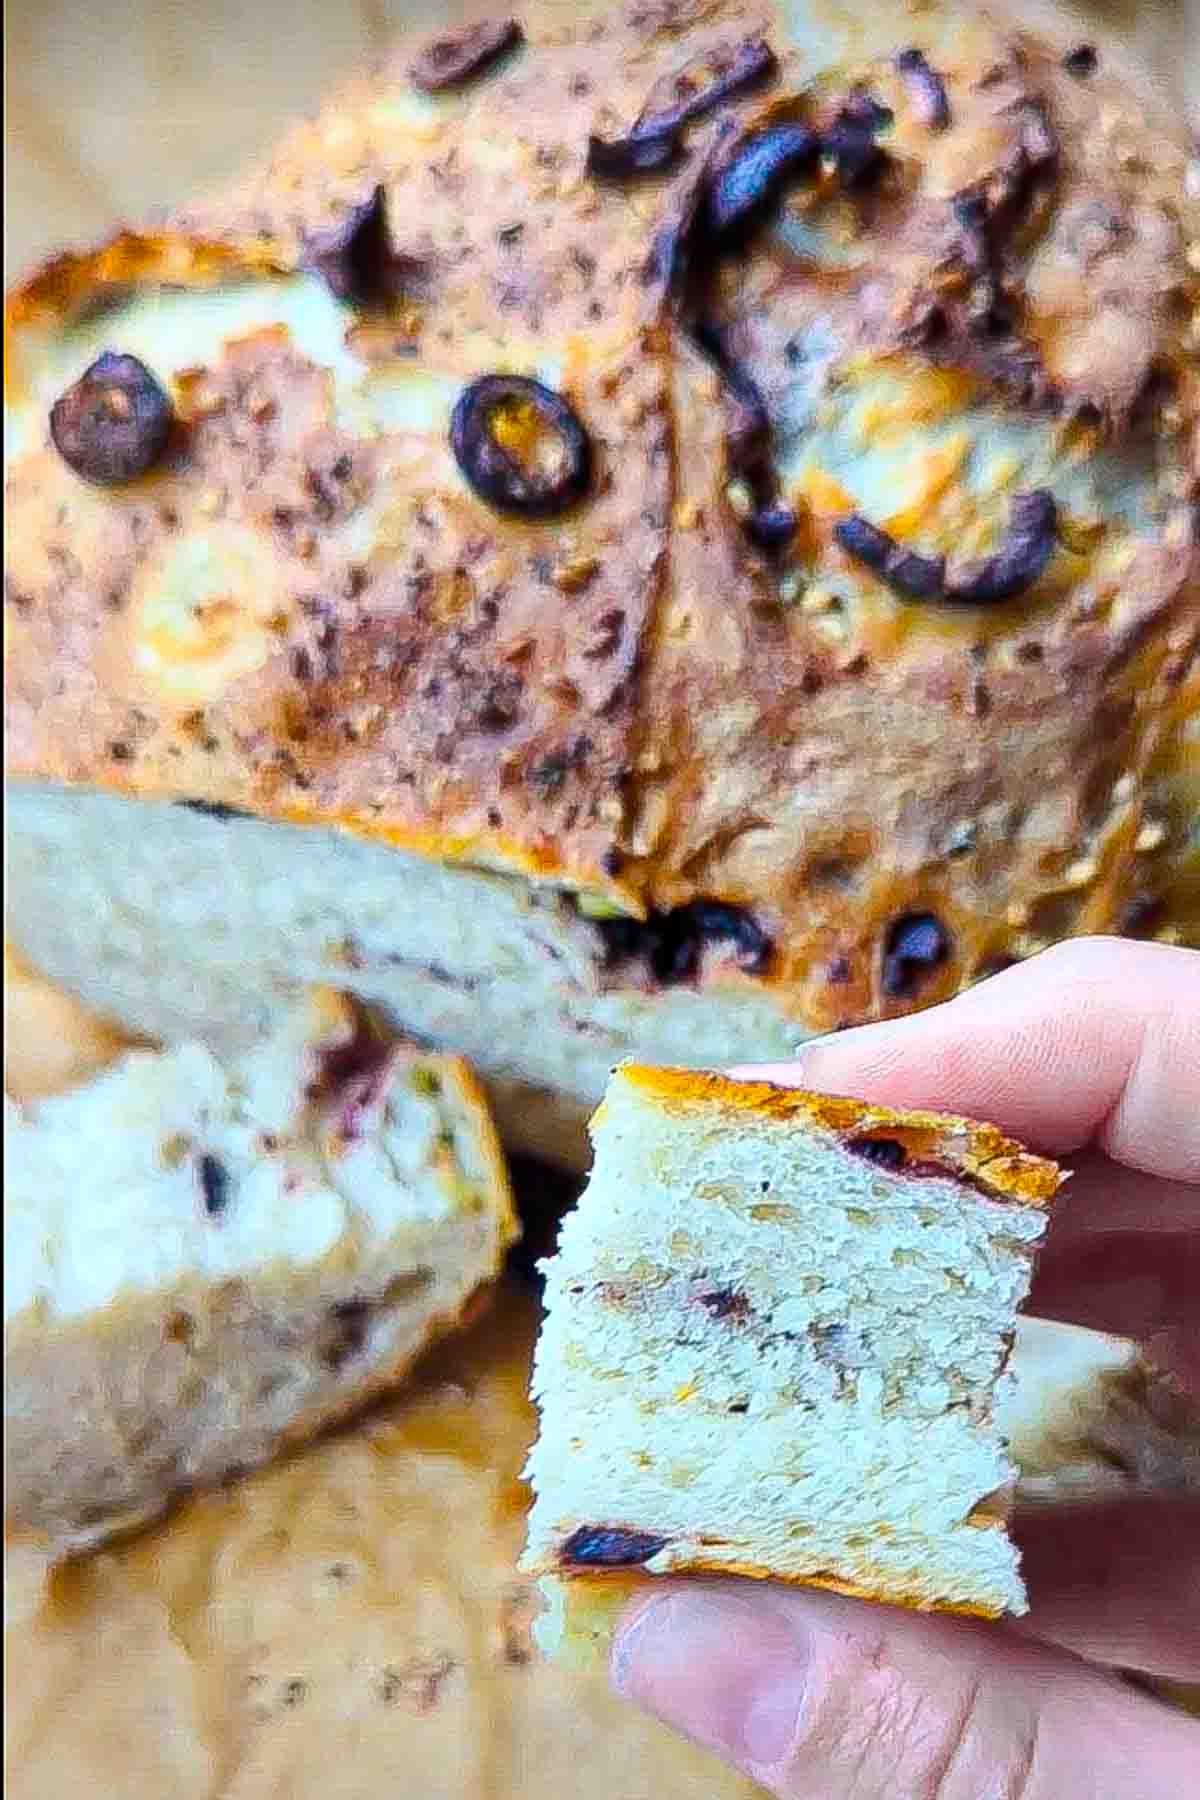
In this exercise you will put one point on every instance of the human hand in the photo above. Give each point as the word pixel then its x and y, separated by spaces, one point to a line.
pixel 1090 1052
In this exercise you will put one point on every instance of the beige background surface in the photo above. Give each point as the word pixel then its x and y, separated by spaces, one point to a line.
pixel 116 107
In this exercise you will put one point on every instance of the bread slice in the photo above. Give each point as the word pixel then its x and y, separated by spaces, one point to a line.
pixel 206 1263
pixel 778 1329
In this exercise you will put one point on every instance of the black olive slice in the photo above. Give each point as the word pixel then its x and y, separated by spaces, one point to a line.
pixel 671 943
pixel 113 423
pixel 916 945
pixel 1014 568
pixel 498 474
pixel 449 61
pixel 911 576
pixel 610 1547
pixel 355 258
pixel 1019 562
pixel 653 141
pixel 754 177
pixel 927 89
pixel 884 1152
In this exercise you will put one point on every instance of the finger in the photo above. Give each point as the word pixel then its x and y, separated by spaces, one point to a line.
pixel 1116 1582
pixel 809 1693
pixel 1094 1041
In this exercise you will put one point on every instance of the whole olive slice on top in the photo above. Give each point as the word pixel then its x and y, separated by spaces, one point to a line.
pixel 520 445
pixel 113 423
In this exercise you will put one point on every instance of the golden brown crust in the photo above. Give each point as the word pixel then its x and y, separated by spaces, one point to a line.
pixel 962 1148
pixel 621 700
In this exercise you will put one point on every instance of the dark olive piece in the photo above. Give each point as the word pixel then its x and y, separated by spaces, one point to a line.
pixel 670 943
pixel 610 1547
pixel 927 89
pixel 113 423
pixel 754 177
pixel 850 143
pixel 355 258
pixel 916 945
pixel 214 1185
pixel 619 159
pixel 884 1152
pixel 214 809
pixel 771 527
pixel 448 61
pixel 1021 560
pixel 753 63
pixel 911 576
pixel 653 141
pixel 1082 61
pixel 494 472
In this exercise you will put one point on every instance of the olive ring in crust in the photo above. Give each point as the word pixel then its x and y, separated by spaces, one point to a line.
pixel 498 477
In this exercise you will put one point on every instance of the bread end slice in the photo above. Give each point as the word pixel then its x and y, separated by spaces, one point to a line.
pixel 778 1328
pixel 207 1263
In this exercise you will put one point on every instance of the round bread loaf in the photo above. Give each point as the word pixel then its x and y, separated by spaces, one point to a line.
pixel 730 469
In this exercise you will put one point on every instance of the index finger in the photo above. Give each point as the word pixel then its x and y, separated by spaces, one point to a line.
pixel 1096 1041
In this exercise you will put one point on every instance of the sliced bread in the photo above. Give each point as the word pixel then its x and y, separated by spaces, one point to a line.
pixel 206 1263
pixel 777 1338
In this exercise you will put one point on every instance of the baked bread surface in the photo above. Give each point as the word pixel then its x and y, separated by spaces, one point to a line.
pixel 306 612
pixel 206 1264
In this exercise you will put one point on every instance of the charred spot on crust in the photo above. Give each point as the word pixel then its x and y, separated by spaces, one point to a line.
pixel 1082 61
pixel 609 1547
pixel 916 945
pixel 356 258
pixel 883 1152
pixel 927 89
pixel 345 1332
pixel 214 1185
pixel 497 472
pixel 453 59
pixel 112 425
pixel 653 141
pixel 672 943
pixel 850 142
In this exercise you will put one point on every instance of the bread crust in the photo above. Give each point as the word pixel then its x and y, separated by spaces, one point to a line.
pixel 964 1148
pixel 620 701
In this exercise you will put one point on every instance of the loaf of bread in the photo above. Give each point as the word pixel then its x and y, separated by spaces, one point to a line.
pixel 777 1333
pixel 648 530
pixel 206 1263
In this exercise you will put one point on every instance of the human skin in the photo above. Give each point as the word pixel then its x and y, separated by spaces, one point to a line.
pixel 1091 1053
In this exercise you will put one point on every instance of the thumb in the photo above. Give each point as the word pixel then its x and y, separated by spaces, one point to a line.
pixel 812 1694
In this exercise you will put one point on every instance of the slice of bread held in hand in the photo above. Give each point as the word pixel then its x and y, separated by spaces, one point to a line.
pixel 777 1336
pixel 207 1263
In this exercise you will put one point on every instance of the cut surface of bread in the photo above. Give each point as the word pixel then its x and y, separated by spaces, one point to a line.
pixel 205 1263
pixel 777 1332
pixel 614 780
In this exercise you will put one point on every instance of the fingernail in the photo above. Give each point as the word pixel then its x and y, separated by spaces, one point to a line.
pixel 720 1667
